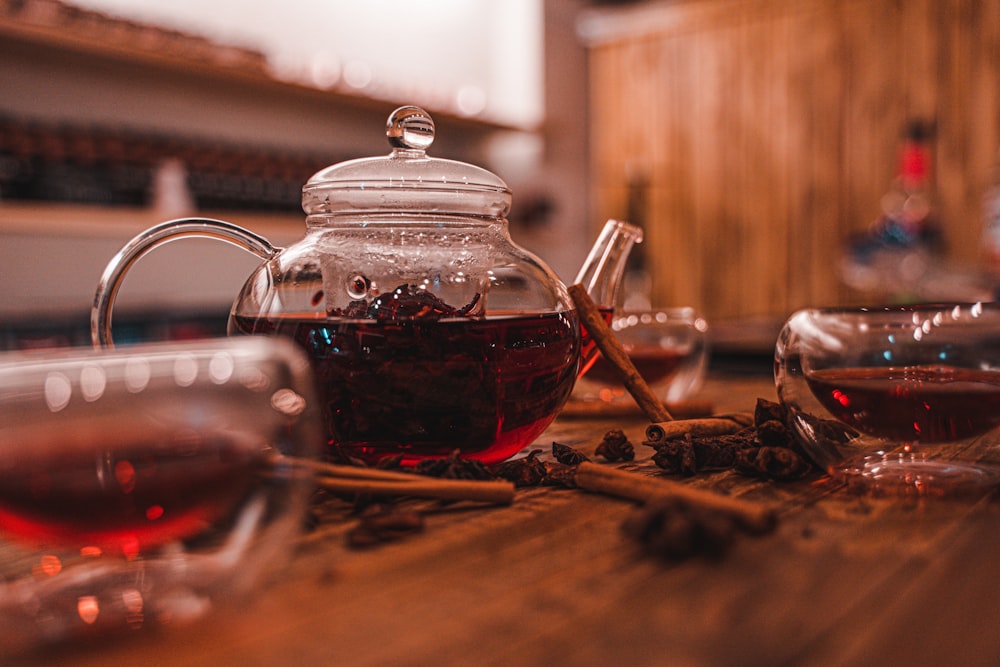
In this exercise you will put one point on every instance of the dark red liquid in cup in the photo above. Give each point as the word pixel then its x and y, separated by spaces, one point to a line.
pixel 129 498
pixel 911 404
pixel 655 364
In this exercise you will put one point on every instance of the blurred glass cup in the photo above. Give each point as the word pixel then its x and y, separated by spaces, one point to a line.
pixel 669 347
pixel 896 400
pixel 147 485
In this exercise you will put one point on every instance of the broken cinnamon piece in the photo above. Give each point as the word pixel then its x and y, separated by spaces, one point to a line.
pixel 615 354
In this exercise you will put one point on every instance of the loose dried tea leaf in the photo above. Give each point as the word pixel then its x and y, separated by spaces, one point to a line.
pixel 341 458
pixel 525 471
pixel 773 433
pixel 768 449
pixel 677 456
pixel 766 411
pixel 673 529
pixel 615 447
pixel 404 302
pixel 714 452
pixel 559 474
pixel 454 467
pixel 690 455
pixel 384 526
pixel 394 462
pixel 568 455
pixel 779 463
pixel 311 520
pixel 829 429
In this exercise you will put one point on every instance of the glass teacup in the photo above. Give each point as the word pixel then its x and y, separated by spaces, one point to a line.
pixel 148 485
pixel 669 348
pixel 896 399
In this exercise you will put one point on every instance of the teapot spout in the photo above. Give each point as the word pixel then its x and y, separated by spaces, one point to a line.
pixel 601 275
pixel 602 271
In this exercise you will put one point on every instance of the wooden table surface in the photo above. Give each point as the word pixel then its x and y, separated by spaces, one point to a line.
pixel 552 580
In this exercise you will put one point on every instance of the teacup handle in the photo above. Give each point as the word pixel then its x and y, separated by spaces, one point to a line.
pixel 114 273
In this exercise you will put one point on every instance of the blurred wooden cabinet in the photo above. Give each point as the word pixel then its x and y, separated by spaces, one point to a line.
pixel 752 137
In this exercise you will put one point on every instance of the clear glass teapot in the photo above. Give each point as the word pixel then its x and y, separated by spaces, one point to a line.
pixel 428 328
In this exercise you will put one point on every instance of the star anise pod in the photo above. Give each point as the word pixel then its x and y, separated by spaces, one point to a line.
pixel 454 467
pixel 674 529
pixel 525 471
pixel 567 455
pixel 615 447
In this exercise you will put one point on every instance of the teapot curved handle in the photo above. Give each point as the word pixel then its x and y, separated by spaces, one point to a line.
pixel 114 273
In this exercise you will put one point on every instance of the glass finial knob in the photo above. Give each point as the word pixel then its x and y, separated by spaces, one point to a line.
pixel 410 128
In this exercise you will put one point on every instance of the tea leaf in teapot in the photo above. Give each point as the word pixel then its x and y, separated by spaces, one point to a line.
pixel 406 302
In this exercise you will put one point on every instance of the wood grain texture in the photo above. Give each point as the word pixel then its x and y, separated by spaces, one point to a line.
pixel 551 580
pixel 766 133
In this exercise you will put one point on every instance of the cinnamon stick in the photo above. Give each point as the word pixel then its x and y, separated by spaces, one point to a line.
pixel 642 488
pixel 499 492
pixel 597 409
pixel 614 353
pixel 717 425
pixel 372 481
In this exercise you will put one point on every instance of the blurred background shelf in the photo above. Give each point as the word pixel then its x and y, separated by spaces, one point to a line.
pixel 751 139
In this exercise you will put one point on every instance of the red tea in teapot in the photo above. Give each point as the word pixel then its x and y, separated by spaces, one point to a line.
pixel 408 374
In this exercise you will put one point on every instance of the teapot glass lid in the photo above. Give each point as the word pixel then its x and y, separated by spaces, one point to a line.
pixel 407 181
